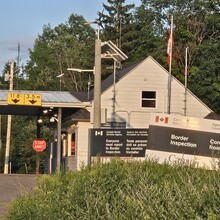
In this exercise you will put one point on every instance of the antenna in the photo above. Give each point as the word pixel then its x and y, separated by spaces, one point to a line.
pixel 98 22
pixel 17 68
pixel 18 58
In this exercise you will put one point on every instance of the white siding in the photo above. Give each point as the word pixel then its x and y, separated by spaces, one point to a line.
pixel 149 76
pixel 82 143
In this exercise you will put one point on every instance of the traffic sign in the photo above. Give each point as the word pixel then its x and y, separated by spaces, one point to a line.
pixel 32 99
pixel 15 98
pixel 39 145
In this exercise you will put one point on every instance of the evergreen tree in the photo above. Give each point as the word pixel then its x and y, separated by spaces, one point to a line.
pixel 118 24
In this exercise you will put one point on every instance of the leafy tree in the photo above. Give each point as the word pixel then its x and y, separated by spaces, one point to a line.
pixel 23 156
pixel 196 26
pixel 205 74
pixel 67 45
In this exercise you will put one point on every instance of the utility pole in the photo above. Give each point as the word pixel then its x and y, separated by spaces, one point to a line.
pixel 0 139
pixel 97 85
pixel 8 137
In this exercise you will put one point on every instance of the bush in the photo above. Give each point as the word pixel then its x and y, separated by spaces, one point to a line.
pixel 123 190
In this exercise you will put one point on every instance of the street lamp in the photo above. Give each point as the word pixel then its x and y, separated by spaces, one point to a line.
pixel 60 76
pixel 80 70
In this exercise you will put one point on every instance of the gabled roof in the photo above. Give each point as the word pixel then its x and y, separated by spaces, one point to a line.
pixel 213 116
pixel 109 81
pixel 82 96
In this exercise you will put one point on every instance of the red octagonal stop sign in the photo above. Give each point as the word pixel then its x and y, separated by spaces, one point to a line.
pixel 39 145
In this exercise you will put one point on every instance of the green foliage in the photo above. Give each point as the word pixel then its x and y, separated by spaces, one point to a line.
pixel 123 190
pixel 205 79
pixel 67 45
pixel 24 132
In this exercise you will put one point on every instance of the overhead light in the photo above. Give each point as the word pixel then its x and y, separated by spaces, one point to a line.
pixel 53 119
pixel 40 121
pixel 81 70
pixel 45 111
pixel 60 75
pixel 75 69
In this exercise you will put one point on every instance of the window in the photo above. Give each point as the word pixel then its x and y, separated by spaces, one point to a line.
pixel 148 99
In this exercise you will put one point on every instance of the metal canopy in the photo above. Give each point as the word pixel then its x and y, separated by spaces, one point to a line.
pixel 50 99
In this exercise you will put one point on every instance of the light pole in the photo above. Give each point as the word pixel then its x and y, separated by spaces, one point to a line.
pixel 60 76
pixel 97 86
pixel 8 138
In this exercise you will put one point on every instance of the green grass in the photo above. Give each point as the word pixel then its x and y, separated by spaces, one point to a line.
pixel 123 190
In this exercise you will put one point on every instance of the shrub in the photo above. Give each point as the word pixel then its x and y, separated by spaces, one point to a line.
pixel 123 190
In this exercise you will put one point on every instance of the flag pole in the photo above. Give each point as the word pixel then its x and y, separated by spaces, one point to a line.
pixel 186 76
pixel 170 45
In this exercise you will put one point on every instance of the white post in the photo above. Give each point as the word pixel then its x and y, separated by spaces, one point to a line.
pixel 186 76
pixel 114 93
pixel 59 123
pixel 69 142
pixel 170 65
pixel 8 136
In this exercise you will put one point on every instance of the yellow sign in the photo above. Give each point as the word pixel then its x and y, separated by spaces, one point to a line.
pixel 15 99
pixel 33 99
pixel 24 99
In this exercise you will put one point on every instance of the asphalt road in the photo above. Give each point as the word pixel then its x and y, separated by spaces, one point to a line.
pixel 12 185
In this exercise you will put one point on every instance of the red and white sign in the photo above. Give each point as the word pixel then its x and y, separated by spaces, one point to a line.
pixel 39 145
pixel 179 139
pixel 183 122
pixel 161 119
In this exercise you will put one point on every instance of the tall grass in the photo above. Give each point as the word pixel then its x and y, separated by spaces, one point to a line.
pixel 123 190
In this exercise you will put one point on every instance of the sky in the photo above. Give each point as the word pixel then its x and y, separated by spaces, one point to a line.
pixel 21 21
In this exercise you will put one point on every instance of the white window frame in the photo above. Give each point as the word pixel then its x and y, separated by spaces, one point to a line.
pixel 155 99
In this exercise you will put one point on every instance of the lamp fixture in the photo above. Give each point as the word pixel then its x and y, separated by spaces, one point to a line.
pixel 53 119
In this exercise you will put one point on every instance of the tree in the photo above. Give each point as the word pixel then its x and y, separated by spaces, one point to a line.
pixel 23 156
pixel 118 21
pixel 150 39
pixel 196 26
pixel 118 27
pixel 67 45
pixel 205 74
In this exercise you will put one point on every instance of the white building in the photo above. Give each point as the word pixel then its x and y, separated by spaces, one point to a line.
pixel 138 91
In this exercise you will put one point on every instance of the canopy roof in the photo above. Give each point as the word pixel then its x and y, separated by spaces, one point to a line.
pixel 49 100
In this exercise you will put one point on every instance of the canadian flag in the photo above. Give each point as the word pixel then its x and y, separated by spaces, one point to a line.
pixel 161 119
pixel 98 133
pixel 170 45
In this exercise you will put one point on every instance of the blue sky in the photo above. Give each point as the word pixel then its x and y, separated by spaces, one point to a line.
pixel 22 20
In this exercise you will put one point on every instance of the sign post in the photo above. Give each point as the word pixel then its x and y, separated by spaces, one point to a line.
pixel 39 145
